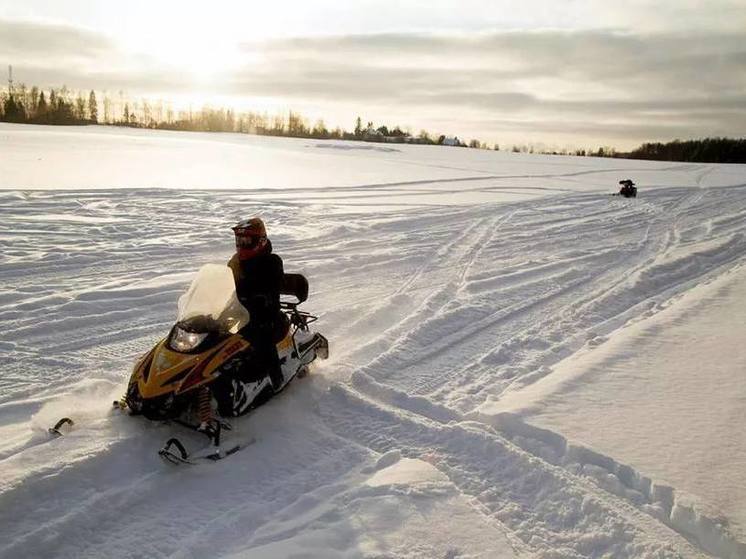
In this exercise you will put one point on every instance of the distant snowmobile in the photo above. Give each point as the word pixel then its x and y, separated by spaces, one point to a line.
pixel 188 377
pixel 628 189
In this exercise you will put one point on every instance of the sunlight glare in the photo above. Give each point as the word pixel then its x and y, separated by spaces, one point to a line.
pixel 200 43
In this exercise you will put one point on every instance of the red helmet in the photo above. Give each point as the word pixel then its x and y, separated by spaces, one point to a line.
pixel 251 238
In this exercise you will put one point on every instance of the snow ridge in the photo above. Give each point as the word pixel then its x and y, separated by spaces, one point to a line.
pixel 552 511
pixel 674 508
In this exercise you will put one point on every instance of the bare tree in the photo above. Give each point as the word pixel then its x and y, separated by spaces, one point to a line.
pixel 107 108
pixel 93 107
pixel 80 112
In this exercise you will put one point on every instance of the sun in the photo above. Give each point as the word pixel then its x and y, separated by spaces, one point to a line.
pixel 202 58
pixel 196 43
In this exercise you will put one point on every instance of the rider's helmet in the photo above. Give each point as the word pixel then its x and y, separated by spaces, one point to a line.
pixel 251 238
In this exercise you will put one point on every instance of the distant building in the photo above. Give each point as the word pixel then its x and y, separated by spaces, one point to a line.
pixel 448 141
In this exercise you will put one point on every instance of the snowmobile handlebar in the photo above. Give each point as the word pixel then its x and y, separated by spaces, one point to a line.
pixel 299 319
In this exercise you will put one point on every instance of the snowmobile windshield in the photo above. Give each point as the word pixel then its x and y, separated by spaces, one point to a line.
pixel 211 300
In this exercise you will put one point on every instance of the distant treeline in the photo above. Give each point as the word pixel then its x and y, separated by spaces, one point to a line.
pixel 707 150
pixel 33 106
pixel 65 107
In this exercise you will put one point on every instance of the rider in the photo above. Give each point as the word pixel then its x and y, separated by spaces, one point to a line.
pixel 258 274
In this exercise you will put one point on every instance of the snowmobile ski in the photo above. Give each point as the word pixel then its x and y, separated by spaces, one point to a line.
pixel 174 452
pixel 56 430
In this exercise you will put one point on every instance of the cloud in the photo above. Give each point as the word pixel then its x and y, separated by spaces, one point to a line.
pixel 601 83
pixel 607 82
pixel 481 60
pixel 52 55
pixel 21 39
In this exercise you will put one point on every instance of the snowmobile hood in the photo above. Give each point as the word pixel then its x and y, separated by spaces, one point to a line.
pixel 163 371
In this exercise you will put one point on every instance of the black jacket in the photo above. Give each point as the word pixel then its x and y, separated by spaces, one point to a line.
pixel 258 284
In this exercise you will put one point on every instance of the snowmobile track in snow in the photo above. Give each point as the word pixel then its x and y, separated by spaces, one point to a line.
pixel 590 296
pixel 551 510
pixel 440 310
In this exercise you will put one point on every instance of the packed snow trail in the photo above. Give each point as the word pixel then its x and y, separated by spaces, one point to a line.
pixel 443 303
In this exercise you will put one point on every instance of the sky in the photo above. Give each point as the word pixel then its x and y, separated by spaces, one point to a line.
pixel 558 74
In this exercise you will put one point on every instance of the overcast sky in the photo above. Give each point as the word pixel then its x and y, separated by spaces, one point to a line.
pixel 561 73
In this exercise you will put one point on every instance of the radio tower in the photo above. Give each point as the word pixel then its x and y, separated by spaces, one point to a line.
pixel 10 80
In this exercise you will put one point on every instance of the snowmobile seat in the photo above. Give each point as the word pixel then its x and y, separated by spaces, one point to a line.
pixel 295 285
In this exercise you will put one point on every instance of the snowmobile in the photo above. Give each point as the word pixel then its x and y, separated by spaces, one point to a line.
pixel 188 378
pixel 628 189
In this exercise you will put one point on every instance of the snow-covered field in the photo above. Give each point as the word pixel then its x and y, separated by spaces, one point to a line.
pixel 521 365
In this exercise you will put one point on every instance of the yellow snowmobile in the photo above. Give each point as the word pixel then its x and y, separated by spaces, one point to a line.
pixel 189 376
